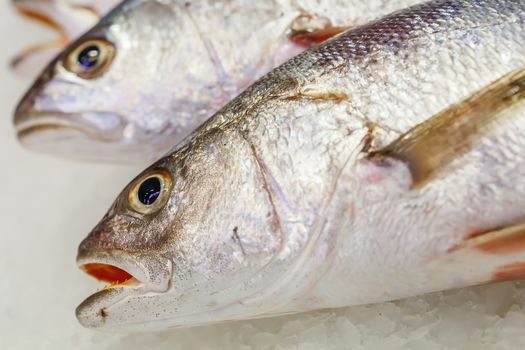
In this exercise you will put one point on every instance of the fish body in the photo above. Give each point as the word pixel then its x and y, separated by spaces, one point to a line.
pixel 312 188
pixel 172 65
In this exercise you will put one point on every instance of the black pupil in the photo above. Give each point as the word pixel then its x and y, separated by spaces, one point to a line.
pixel 149 191
pixel 89 56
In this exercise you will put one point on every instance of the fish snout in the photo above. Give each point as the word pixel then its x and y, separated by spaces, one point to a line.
pixel 129 276
pixel 114 232
pixel 26 110
pixel 109 255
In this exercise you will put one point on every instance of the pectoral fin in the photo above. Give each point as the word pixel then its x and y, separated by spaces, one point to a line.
pixel 491 254
pixel 309 29
pixel 309 38
pixel 430 146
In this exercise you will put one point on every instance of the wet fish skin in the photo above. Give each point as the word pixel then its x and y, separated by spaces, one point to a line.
pixel 174 67
pixel 274 205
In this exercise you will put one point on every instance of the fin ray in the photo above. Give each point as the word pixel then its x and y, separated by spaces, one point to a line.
pixel 433 144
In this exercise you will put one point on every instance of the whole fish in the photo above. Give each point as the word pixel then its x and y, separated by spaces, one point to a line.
pixel 384 163
pixel 69 18
pixel 151 71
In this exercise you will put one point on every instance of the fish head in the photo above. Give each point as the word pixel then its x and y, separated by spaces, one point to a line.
pixel 104 97
pixel 192 240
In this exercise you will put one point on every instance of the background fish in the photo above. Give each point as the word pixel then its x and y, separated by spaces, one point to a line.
pixel 312 189
pixel 68 18
pixel 151 71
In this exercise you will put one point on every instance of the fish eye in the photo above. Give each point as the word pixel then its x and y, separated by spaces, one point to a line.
pixel 90 59
pixel 150 192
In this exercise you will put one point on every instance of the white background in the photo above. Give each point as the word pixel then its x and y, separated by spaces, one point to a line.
pixel 48 205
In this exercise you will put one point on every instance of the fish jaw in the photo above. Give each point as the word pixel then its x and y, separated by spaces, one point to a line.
pixel 130 277
pixel 136 292
pixel 71 134
pixel 74 136
pixel 105 136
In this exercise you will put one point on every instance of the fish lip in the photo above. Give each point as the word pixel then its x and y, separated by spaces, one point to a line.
pixel 152 272
pixel 91 313
pixel 150 275
pixel 27 123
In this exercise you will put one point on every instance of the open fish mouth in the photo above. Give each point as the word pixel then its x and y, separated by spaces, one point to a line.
pixel 120 269
pixel 114 275
pixel 126 277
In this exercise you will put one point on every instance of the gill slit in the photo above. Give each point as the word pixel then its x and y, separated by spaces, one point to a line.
pixel 266 186
pixel 303 262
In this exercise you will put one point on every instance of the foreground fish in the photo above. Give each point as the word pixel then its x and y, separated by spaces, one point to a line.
pixel 69 18
pixel 152 71
pixel 386 163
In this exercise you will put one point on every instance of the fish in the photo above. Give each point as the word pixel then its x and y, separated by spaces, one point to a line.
pixel 384 163
pixel 69 19
pixel 161 68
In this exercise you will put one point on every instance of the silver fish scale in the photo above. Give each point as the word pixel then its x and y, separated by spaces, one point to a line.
pixel 395 31
pixel 398 40
pixel 174 67
pixel 300 134
pixel 276 208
